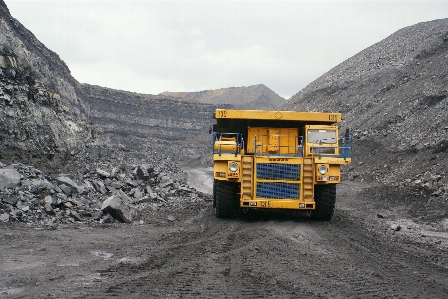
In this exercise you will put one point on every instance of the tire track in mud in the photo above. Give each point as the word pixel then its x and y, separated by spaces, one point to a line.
pixel 212 265
pixel 359 264
pixel 283 258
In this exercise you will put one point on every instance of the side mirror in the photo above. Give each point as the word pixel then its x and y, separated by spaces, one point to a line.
pixel 348 132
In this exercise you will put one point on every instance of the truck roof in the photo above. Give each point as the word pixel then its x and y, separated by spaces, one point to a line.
pixel 308 117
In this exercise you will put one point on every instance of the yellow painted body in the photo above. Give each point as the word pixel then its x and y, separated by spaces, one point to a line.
pixel 279 115
pixel 277 166
pixel 273 140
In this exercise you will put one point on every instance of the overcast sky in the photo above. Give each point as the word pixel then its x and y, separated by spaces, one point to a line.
pixel 156 46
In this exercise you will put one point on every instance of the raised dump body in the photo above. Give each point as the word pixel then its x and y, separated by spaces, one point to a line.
pixel 277 160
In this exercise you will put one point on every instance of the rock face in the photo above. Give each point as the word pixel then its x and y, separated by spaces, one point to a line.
pixel 394 95
pixel 162 117
pixel 41 113
pixel 255 97
pixel 177 129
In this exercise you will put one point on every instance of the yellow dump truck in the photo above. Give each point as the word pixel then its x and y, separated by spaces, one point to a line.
pixel 277 160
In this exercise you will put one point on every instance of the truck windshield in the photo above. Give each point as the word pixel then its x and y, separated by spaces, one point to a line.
pixel 322 136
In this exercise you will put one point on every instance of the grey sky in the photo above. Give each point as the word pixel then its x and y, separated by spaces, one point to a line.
pixel 156 46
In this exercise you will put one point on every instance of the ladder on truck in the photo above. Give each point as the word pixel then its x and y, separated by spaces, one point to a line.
pixel 247 178
pixel 308 178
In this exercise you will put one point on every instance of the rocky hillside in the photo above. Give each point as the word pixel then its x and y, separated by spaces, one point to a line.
pixel 46 116
pixel 247 97
pixel 178 129
pixel 41 113
pixel 394 95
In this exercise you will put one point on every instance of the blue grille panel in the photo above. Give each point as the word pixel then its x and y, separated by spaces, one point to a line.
pixel 271 171
pixel 278 190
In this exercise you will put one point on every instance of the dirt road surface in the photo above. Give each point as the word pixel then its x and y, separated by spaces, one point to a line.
pixel 201 179
pixel 368 250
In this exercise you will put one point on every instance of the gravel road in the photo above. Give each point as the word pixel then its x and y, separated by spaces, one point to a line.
pixel 201 179
pixel 185 252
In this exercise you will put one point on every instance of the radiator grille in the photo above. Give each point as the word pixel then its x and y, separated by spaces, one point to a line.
pixel 271 171
pixel 278 190
pixel 323 150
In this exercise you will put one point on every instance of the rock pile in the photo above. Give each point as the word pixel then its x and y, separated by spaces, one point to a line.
pixel 418 169
pixel 394 95
pixel 104 195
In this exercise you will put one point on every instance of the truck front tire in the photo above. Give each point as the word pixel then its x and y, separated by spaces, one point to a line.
pixel 325 198
pixel 214 193
pixel 226 199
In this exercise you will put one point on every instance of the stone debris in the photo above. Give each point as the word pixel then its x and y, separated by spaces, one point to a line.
pixel 89 196
pixel 48 204
pixel 395 227
pixel 124 197
pixel 66 189
pixel 66 181
pixel 103 173
pixel 117 208
pixel 9 178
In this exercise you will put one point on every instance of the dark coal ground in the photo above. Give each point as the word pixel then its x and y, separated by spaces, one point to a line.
pixel 374 247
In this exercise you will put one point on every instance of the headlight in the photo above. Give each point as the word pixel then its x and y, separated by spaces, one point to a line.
pixel 323 169
pixel 233 166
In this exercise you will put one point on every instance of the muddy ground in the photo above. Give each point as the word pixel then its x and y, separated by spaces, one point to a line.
pixel 375 247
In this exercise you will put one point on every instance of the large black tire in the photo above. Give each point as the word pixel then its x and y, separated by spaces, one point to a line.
pixel 226 199
pixel 214 193
pixel 325 198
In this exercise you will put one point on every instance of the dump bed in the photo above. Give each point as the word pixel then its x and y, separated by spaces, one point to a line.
pixel 274 115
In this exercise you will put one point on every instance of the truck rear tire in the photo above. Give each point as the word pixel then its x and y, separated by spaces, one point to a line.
pixel 226 197
pixel 325 198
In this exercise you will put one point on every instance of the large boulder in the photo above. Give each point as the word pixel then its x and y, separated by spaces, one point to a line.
pixel 116 207
pixel 75 188
pixel 9 178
